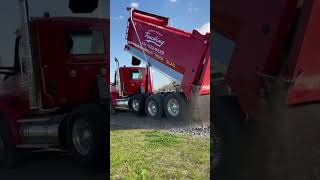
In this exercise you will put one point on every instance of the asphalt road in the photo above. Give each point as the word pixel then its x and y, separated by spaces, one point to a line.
pixel 131 120
pixel 50 165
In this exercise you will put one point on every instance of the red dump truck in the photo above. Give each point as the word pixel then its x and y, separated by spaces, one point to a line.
pixel 266 88
pixel 128 84
pixel 182 56
pixel 55 95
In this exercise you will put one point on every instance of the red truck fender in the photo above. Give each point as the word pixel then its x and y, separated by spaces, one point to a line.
pixel 13 108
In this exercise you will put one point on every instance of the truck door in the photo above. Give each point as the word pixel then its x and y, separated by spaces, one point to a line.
pixel 137 81
pixel 132 79
pixel 72 55
pixel 306 75
pixel 85 59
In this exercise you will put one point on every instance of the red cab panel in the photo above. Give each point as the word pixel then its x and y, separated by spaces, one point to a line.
pixel 254 37
pixel 71 52
pixel 205 79
pixel 306 76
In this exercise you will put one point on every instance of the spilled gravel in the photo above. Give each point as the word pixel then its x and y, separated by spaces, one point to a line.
pixel 196 131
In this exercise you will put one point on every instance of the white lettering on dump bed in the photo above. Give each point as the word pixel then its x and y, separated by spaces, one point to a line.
pixel 154 37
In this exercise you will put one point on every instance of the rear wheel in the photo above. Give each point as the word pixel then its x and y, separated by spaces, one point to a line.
pixel 136 103
pixel 87 135
pixel 82 139
pixel 154 106
pixel 175 106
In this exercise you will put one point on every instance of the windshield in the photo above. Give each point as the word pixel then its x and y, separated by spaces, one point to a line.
pixel 85 42
pixel 135 75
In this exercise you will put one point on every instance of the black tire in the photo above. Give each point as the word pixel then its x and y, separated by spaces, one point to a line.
pixel 157 101
pixel 138 98
pixel 181 100
pixel 95 118
pixel 8 154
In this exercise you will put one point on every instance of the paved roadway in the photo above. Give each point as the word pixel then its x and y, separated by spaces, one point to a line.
pixel 50 165
pixel 131 120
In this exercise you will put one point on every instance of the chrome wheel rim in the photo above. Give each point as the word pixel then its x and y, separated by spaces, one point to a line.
pixel 152 108
pixel 82 137
pixel 173 107
pixel 135 105
pixel 1 149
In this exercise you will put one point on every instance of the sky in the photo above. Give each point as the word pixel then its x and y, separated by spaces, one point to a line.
pixel 184 14
pixel 10 20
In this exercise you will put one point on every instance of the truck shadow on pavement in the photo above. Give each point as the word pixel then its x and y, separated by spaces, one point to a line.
pixel 49 165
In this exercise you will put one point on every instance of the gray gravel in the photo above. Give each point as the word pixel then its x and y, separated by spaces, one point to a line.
pixel 196 131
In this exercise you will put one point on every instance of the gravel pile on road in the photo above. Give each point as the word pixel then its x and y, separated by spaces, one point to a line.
pixel 196 131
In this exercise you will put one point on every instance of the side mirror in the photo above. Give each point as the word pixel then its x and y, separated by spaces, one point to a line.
pixel 135 61
pixel 83 6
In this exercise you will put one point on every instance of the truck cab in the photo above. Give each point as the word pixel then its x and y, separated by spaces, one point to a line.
pixel 58 81
pixel 129 82
pixel 131 79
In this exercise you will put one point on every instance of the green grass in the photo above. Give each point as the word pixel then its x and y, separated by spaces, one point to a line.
pixel 146 154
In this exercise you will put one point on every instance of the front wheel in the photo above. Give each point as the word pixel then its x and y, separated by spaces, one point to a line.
pixel 87 135
pixel 175 105
pixel 136 103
